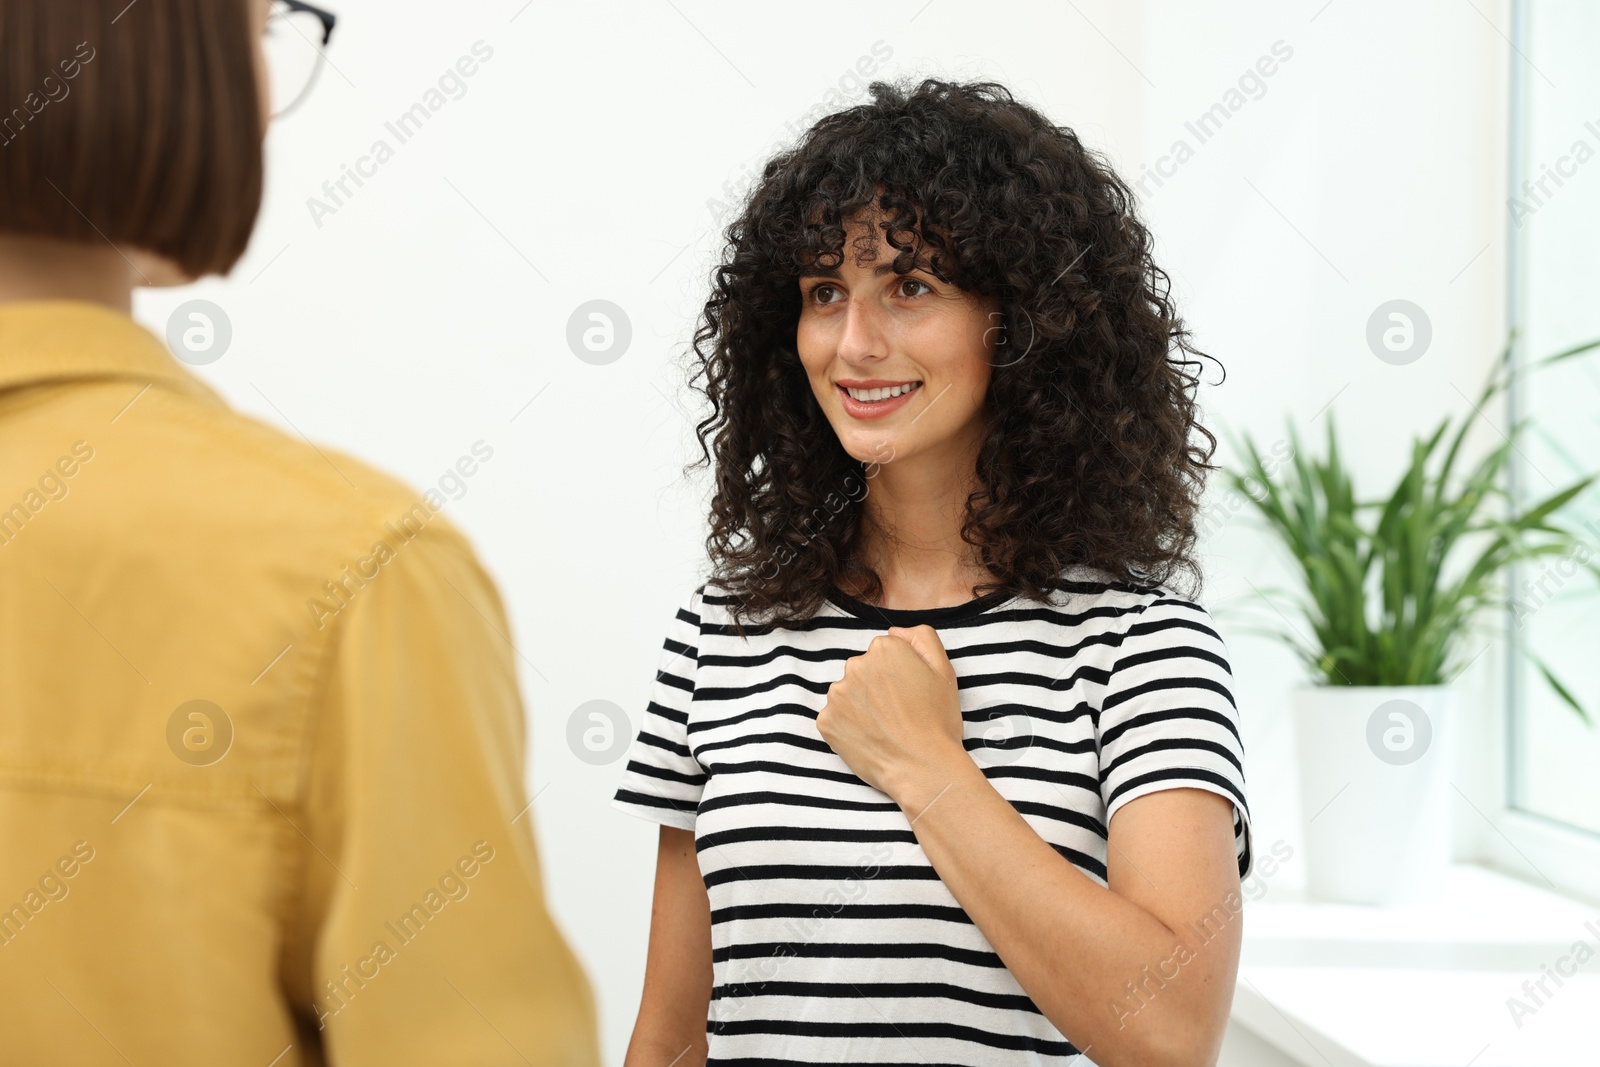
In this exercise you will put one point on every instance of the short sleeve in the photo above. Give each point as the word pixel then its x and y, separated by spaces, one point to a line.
pixel 417 860
pixel 1168 719
pixel 663 780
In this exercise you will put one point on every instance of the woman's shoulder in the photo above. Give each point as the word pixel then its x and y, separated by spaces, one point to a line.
pixel 707 604
pixel 1133 607
pixel 1086 586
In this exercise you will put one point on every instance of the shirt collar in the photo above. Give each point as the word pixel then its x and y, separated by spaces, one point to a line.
pixel 48 341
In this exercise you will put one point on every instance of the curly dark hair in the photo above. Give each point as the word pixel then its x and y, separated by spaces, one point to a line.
pixel 1087 460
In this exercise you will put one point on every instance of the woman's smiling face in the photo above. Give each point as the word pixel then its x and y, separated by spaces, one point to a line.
pixel 863 327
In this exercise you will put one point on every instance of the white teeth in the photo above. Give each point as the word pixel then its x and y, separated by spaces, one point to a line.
pixel 869 395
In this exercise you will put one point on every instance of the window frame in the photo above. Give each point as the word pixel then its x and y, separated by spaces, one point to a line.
pixel 1546 851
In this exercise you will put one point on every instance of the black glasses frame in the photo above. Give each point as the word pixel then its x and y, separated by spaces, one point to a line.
pixel 327 18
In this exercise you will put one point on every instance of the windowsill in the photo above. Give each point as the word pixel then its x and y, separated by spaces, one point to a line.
pixel 1345 985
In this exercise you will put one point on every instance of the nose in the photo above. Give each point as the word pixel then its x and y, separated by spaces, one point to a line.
pixel 863 338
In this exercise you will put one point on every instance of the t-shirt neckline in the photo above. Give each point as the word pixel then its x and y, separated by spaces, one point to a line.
pixel 909 617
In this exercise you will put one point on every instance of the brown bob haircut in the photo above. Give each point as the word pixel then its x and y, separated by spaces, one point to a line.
pixel 137 124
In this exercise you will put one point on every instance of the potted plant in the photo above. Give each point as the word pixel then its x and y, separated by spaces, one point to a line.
pixel 1389 592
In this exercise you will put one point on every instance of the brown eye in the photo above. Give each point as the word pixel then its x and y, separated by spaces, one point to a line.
pixel 913 281
pixel 812 295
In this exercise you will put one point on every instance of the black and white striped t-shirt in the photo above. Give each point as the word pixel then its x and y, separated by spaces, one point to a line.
pixel 833 939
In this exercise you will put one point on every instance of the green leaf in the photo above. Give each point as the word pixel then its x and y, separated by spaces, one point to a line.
pixel 1561 690
pixel 1390 586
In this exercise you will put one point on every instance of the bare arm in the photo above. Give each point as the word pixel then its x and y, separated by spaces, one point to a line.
pixel 671 1027
pixel 1141 972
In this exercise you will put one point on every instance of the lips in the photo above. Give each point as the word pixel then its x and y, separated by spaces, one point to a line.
pixel 876 392
pixel 875 409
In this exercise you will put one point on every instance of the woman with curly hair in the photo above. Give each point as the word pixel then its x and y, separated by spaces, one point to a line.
pixel 946 772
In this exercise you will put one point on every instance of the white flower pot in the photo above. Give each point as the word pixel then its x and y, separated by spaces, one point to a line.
pixel 1375 767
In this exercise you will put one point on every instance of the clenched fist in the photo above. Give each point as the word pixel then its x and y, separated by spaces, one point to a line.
pixel 895 716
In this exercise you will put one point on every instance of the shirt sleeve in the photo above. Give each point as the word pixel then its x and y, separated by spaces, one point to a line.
pixel 663 780
pixel 1168 719
pixel 420 934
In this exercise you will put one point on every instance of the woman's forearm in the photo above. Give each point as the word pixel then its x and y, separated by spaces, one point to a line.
pixel 671 1025
pixel 1089 958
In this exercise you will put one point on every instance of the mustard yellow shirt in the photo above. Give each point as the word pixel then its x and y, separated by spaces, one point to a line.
pixel 261 743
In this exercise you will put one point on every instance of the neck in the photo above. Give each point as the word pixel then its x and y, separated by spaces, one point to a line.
pixel 44 268
pixel 914 511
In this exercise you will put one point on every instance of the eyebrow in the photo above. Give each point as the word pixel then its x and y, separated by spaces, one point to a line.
pixel 877 272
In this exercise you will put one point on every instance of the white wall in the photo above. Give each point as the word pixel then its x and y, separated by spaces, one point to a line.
pixel 428 309
pixel 1370 169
